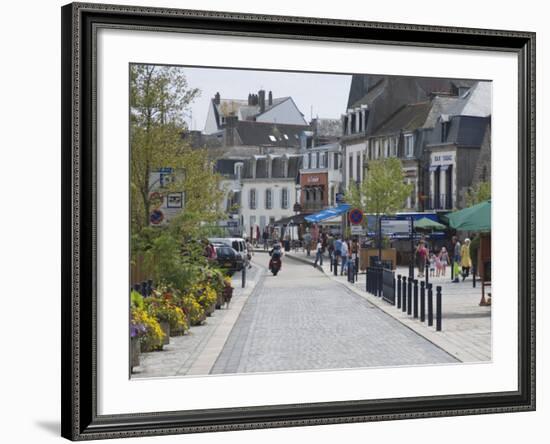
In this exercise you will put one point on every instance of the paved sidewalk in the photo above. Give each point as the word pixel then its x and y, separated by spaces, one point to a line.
pixel 195 352
pixel 466 327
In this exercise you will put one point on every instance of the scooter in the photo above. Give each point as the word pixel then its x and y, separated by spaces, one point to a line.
pixel 275 264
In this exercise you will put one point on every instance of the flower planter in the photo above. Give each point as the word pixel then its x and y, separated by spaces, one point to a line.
pixel 210 309
pixel 165 327
pixel 134 352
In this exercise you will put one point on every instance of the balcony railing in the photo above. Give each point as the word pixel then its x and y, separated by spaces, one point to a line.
pixel 439 202
pixel 313 206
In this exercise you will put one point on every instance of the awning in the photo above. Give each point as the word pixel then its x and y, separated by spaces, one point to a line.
pixel 328 213
pixel 445 167
pixel 433 168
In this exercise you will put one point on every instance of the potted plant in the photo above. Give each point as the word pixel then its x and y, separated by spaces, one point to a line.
pixel 137 331
pixel 153 337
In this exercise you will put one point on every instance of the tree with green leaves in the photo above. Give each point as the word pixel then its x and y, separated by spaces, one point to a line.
pixel 383 192
pixel 159 98
pixel 478 193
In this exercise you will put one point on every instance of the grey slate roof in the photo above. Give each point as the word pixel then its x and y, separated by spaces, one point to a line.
pixel 407 118
pixel 257 133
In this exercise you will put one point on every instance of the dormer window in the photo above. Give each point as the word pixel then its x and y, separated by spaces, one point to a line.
pixel 409 145
pixel 238 170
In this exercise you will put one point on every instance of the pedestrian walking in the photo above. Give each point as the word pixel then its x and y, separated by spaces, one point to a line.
pixel 456 258
pixel 466 261
pixel 432 265
pixel 307 242
pixel 319 254
pixel 344 252
pixel 421 257
pixel 265 237
pixel 443 260
pixel 338 249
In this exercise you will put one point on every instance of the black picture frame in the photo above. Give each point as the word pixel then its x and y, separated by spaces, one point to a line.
pixel 80 420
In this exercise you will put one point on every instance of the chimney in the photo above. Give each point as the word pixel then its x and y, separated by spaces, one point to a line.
pixel 230 130
pixel 270 99
pixel 261 98
pixel 217 98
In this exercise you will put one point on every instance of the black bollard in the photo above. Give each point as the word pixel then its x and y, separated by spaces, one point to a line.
pixel 330 260
pixel 438 308
pixel 404 295
pixel 415 308
pixel 430 306
pixel 356 268
pixel 474 277
pixel 427 272
pixel 422 301
pixel 380 281
pixel 409 296
pixel 243 272
pixel 367 280
pixel 398 291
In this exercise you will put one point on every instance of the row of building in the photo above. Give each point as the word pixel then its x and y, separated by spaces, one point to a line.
pixel 276 165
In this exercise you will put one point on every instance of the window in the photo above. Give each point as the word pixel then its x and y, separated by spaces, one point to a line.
pixel 284 198
pixel 310 160
pixel 350 169
pixel 376 148
pixel 272 138
pixel 335 165
pixel 317 159
pixel 358 167
pixel 393 147
pixel 268 202
pixel 252 199
pixel 252 221
pixel 306 161
pixel 360 121
pixel 353 119
pixel 409 145
pixel 323 159
pixel 386 147
pixel 238 170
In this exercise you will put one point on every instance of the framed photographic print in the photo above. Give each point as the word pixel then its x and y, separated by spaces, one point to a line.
pixel 278 221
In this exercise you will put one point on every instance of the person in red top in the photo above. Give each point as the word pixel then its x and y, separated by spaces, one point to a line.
pixel 421 255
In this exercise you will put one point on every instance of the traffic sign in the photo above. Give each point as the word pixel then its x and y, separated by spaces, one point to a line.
pixel 357 230
pixel 356 216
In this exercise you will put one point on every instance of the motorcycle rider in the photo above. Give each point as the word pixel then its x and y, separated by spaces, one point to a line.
pixel 276 253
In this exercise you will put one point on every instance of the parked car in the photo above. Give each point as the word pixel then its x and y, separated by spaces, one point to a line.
pixel 228 258
pixel 237 243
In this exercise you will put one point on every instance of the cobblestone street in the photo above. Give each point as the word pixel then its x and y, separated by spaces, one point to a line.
pixel 303 320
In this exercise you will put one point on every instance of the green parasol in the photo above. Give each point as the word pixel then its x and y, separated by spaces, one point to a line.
pixel 428 224
pixel 475 218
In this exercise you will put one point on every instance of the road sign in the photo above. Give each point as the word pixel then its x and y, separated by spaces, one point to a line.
pixel 357 230
pixel 356 216
pixel 156 217
pixel 394 226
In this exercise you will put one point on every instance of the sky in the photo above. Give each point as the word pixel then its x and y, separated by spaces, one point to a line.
pixel 316 95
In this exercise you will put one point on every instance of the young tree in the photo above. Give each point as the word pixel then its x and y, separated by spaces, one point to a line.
pixel 159 98
pixel 478 193
pixel 383 192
